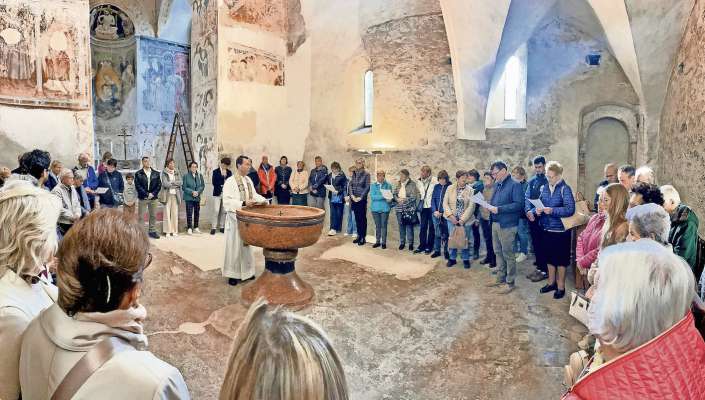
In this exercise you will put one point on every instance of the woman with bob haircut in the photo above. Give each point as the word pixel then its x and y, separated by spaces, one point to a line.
pixel 640 314
pixel 28 242
pixel 278 355
pixel 97 315
pixel 649 221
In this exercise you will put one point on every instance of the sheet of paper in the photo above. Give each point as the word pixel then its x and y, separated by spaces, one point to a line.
pixel 479 199
pixel 537 203
pixel 331 189
pixel 387 194
pixel 101 190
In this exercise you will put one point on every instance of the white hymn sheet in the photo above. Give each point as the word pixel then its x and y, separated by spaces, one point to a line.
pixel 479 199
pixel 387 194
pixel 537 203
pixel 331 189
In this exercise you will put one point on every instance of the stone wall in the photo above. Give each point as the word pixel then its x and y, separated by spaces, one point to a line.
pixel 682 141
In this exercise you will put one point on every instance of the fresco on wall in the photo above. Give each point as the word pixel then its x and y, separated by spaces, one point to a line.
pixel 108 22
pixel 204 65
pixel 252 65
pixel 114 77
pixel 43 54
pixel 205 18
pixel 269 15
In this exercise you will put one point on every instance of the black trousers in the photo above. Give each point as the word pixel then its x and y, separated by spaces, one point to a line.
pixel 487 235
pixel 426 234
pixel 476 239
pixel 360 211
pixel 283 196
pixel 536 234
pixel 193 213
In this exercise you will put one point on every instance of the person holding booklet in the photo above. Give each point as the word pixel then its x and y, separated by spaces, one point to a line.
pixel 381 196
pixel 358 189
pixel 459 211
pixel 337 181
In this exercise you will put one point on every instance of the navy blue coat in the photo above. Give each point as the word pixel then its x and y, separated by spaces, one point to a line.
pixel 509 200
pixel 562 203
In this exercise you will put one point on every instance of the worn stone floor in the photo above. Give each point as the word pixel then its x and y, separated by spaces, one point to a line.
pixel 439 336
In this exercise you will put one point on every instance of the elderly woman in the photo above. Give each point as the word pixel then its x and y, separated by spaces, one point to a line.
pixel 27 243
pixel 70 203
pixel 171 198
pixel 280 355
pixel 339 181
pixel 380 207
pixel 98 313
pixel 459 212
pixel 298 182
pixel 684 225
pixel 645 174
pixel 440 225
pixel 643 337
pixel 645 193
pixel 558 201
pixel 406 197
pixel 649 221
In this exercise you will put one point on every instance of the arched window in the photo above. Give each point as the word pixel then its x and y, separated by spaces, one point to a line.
pixel 369 97
pixel 511 88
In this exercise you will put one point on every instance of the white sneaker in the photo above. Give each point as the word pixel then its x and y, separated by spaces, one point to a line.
pixel 197 230
pixel 345 234
pixel 167 236
pixel 332 232
pixel 354 236
pixel 521 257
pixel 190 231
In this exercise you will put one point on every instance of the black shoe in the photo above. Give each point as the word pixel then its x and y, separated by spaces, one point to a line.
pixel 411 247
pixel 154 235
pixel 384 246
pixel 212 231
pixel 222 230
pixel 476 257
pixel 401 246
pixel 466 264
pixel 436 254
pixel 248 279
pixel 558 294
pixel 417 251
pixel 450 263
pixel 361 242
pixel 428 251
pixel 376 245
pixel 549 288
pixel 233 281
pixel 492 265
pixel 485 261
pixel 446 255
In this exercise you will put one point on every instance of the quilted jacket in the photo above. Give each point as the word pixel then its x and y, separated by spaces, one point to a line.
pixel 589 240
pixel 669 367
pixel 562 203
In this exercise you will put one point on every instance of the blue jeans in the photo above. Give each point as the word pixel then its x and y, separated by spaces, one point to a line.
pixel 440 229
pixel 521 244
pixel 336 216
pixel 464 253
pixel 406 232
pixel 381 219
pixel 350 227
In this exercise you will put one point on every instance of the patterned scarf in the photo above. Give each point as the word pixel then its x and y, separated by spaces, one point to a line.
pixel 241 187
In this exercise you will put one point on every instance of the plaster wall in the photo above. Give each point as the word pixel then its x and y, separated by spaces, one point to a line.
pixel 682 141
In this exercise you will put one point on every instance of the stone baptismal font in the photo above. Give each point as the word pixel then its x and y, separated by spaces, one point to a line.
pixel 280 230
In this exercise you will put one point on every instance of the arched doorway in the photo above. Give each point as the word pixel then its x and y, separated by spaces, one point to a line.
pixel 607 140
pixel 608 133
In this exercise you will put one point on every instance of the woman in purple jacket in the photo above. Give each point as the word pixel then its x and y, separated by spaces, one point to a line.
pixel 558 202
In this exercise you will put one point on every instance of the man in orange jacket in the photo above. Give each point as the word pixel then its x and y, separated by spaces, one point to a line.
pixel 267 178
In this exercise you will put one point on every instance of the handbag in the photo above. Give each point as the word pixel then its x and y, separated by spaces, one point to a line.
pixel 581 216
pixel 409 215
pixel 118 198
pixel 579 307
pixel 458 240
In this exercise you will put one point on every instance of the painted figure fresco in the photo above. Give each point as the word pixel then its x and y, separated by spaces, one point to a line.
pixel 46 63
pixel 114 79
pixel 252 65
pixel 108 22
pixel 165 74
pixel 269 15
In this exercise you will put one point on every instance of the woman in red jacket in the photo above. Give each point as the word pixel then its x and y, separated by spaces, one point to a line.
pixel 649 346
pixel 588 246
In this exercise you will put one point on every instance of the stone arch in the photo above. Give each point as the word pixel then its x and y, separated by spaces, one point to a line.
pixel 135 10
pixel 626 114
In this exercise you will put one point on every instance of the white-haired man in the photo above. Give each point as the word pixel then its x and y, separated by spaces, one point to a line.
pixel 70 203
pixel 87 170
pixel 684 225
pixel 645 174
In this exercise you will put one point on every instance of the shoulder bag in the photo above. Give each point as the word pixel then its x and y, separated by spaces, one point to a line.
pixel 579 307
pixel 91 362
pixel 118 198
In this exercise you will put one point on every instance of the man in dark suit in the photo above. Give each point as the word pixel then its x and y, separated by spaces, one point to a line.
pixel 148 184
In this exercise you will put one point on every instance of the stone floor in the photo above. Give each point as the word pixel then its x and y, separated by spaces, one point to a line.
pixel 439 336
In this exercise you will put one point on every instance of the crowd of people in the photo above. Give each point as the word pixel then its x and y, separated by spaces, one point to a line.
pixel 65 305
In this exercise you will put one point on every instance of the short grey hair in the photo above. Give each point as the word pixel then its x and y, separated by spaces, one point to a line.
pixel 64 173
pixel 670 194
pixel 644 290
pixel 650 221
pixel 647 173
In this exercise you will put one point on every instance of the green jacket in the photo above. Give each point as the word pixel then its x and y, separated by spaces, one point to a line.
pixel 192 184
pixel 684 233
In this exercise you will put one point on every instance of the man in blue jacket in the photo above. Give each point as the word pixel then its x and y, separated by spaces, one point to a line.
pixel 317 180
pixel 533 191
pixel 507 204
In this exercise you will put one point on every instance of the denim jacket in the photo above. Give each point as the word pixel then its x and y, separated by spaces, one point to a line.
pixel 439 191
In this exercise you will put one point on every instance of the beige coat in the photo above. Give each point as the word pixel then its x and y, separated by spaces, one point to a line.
pixel 70 206
pixel 450 206
pixel 54 342
pixel 20 302
pixel 299 182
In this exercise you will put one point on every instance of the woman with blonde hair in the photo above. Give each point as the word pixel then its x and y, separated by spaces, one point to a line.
pixel 278 355
pixel 298 182
pixel 91 343
pixel 616 227
pixel 28 242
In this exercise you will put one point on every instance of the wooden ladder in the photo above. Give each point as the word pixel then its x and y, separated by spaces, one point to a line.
pixel 179 127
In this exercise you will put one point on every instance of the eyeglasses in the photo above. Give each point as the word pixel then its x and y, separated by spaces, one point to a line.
pixel 139 276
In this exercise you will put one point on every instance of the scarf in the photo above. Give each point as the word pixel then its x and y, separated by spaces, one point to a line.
pixel 241 187
pixel 128 320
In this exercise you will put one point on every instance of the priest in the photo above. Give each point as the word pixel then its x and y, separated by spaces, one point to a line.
pixel 238 192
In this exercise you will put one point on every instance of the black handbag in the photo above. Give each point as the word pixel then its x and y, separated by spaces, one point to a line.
pixel 409 215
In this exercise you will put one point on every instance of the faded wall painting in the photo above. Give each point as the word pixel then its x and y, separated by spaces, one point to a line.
pixel 204 64
pixel 114 77
pixel 269 15
pixel 205 18
pixel 44 54
pixel 108 22
pixel 204 68
pixel 163 89
pixel 247 64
